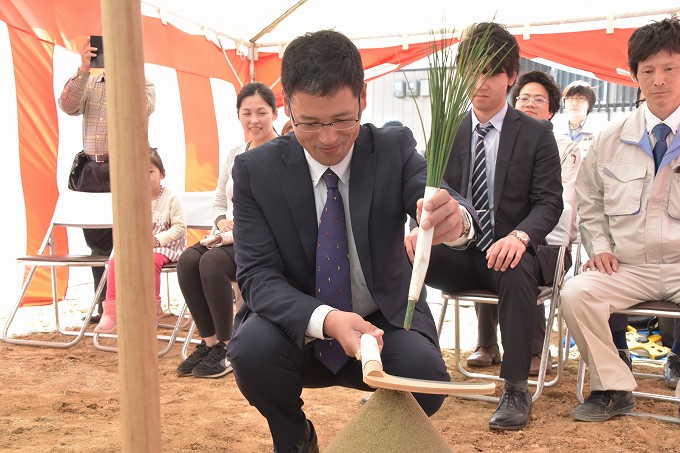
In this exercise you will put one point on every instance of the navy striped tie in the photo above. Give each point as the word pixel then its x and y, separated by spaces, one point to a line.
pixel 480 192
pixel 333 284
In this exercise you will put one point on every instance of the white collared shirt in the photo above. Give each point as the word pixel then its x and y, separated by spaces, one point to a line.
pixel 491 141
pixel 362 300
pixel 673 121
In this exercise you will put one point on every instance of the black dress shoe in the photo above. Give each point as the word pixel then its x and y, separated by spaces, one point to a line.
pixel 513 409
pixel 309 442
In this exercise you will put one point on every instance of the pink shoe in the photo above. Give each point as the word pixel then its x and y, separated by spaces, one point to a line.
pixel 108 322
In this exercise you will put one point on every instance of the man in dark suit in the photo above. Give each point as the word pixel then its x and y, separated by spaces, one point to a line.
pixel 280 191
pixel 524 202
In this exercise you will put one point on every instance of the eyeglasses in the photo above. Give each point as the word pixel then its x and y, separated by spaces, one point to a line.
pixel 577 99
pixel 537 100
pixel 339 125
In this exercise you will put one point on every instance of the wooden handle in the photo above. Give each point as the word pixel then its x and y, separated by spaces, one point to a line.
pixel 377 378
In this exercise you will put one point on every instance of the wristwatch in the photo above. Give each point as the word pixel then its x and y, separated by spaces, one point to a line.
pixel 466 224
pixel 522 236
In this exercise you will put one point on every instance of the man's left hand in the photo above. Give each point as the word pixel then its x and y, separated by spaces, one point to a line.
pixel 444 216
pixel 504 253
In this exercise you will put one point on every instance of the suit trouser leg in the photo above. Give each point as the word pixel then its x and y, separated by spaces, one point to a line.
pixel 271 371
pixel 587 301
pixel 459 270
pixel 517 291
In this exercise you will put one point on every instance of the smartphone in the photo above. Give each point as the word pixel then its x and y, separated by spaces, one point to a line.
pixel 98 60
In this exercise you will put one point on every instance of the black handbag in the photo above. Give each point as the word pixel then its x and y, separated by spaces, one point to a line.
pixel 76 170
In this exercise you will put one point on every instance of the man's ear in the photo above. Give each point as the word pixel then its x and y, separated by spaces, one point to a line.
pixel 286 104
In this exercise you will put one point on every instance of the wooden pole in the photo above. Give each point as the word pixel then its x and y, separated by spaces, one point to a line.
pixel 129 163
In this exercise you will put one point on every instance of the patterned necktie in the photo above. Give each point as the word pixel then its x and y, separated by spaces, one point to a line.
pixel 333 285
pixel 480 192
pixel 660 132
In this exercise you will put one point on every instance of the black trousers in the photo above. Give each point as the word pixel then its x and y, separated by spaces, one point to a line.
pixel 459 270
pixel 271 370
pixel 205 277
pixel 94 177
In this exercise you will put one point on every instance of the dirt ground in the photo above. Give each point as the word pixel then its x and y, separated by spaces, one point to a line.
pixel 68 401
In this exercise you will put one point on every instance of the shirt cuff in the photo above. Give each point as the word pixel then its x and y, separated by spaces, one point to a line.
pixel 315 326
pixel 463 241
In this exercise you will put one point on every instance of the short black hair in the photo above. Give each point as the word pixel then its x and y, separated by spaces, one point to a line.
pixel 393 123
pixel 651 39
pixel 500 41
pixel 546 80
pixel 581 88
pixel 254 88
pixel 321 64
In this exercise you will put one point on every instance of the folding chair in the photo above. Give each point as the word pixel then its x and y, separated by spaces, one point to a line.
pixel 73 210
pixel 198 213
pixel 650 308
pixel 489 297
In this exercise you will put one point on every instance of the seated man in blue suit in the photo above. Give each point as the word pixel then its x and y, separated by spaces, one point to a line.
pixel 372 179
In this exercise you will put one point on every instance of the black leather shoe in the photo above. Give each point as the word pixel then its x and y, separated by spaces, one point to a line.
pixel 671 370
pixel 309 442
pixel 513 409
pixel 602 405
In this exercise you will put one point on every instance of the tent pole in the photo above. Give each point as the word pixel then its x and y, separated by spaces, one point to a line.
pixel 129 163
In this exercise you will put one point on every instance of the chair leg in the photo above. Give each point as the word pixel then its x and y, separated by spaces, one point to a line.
pixel 442 315
pixel 78 335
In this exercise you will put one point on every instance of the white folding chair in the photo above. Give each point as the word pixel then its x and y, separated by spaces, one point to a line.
pixel 198 212
pixel 73 210
pixel 488 297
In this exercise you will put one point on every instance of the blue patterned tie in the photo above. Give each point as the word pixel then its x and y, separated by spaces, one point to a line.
pixel 480 191
pixel 660 132
pixel 333 285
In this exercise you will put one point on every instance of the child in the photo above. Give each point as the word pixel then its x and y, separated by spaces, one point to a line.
pixel 169 231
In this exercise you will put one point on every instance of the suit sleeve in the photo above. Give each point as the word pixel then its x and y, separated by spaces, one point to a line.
pixel 546 190
pixel 260 269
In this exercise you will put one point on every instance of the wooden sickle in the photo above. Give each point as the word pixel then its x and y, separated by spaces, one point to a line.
pixel 377 378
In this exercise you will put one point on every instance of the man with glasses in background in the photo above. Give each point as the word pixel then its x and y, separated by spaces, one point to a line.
pixel 306 305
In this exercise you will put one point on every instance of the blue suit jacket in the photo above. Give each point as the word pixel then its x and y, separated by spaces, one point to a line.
pixel 276 227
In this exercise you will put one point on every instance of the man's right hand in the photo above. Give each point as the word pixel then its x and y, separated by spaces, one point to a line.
pixel 603 262
pixel 347 328
pixel 86 53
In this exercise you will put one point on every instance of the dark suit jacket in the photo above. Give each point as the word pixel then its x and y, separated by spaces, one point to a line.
pixel 528 182
pixel 276 227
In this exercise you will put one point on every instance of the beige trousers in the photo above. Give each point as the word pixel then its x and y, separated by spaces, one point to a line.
pixel 588 299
